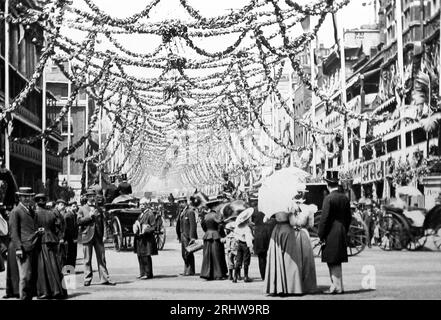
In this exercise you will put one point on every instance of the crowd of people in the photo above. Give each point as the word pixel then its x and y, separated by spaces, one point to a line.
pixel 234 232
pixel 43 240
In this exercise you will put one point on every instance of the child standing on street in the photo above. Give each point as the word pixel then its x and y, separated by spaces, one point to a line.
pixel 231 245
pixel 244 236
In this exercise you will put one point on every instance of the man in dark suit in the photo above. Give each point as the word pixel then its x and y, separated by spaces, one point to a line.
pixel 24 236
pixel 333 228
pixel 262 235
pixel 186 232
pixel 111 191
pixel 71 234
pixel 91 223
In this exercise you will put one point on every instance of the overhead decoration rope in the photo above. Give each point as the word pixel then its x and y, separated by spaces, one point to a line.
pixel 188 89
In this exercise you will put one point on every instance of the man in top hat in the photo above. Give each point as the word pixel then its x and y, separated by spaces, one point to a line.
pixel 60 211
pixel 333 228
pixel 187 234
pixel 111 191
pixel 24 236
pixel 124 186
pixel 91 222
pixel 70 234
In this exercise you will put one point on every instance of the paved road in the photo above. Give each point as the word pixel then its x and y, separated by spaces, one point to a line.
pixel 398 275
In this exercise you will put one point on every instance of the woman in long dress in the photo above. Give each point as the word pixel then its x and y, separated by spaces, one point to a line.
pixel 214 266
pixel 290 266
pixel 50 276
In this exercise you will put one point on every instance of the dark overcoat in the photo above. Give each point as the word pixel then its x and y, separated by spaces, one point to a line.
pixel 23 224
pixel 262 232
pixel 333 227
pixel 145 244
pixel 186 224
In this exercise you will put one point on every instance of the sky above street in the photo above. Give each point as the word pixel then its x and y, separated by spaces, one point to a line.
pixel 353 16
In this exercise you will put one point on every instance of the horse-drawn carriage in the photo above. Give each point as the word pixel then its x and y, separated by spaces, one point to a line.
pixel 408 229
pixel 171 211
pixel 121 217
pixel 358 231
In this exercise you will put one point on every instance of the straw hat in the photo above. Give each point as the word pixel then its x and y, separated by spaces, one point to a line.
pixel 244 215
pixel 25 191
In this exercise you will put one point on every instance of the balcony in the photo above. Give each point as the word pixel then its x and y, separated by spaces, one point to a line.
pixel 34 155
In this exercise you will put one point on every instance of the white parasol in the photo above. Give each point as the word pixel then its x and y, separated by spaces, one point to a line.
pixel 278 190
pixel 409 191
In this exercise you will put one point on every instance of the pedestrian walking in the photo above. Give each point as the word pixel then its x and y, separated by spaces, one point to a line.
pixel 145 243
pixel 187 234
pixel 24 237
pixel 333 228
pixel 49 275
pixel 214 266
pixel 244 236
pixel 91 224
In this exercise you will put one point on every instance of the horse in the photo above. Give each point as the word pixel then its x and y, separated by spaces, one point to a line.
pixel 226 208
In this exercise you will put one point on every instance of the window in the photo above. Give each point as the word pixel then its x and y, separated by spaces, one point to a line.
pixel 408 139
pixel 393 144
pixel 64 128
pixel 419 135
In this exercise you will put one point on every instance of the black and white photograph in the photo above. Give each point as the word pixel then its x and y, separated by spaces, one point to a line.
pixel 237 152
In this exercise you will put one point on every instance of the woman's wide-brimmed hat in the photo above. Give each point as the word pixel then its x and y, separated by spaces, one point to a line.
pixel 244 215
pixel 25 191
pixel 230 226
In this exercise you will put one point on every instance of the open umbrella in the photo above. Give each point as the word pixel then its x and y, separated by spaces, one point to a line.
pixel 278 190
pixel 409 191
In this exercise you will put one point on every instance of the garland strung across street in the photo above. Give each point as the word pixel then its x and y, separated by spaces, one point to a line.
pixel 189 89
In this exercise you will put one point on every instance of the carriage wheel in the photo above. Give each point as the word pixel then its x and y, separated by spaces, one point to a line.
pixel 391 232
pixel 117 234
pixel 357 237
pixel 437 237
pixel 160 238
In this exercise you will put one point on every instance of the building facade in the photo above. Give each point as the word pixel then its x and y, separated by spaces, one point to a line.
pixel 58 84
pixel 390 153
pixel 26 158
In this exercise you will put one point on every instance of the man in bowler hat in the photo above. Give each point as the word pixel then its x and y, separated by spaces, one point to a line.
pixel 333 228
pixel 24 236
pixel 187 234
pixel 91 223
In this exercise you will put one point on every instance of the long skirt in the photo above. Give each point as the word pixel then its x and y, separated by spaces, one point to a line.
pixel 50 277
pixel 290 262
pixel 12 274
pixel 214 266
